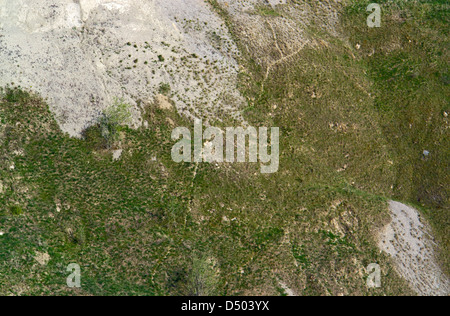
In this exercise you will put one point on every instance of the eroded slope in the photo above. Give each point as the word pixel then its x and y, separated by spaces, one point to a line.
pixel 82 54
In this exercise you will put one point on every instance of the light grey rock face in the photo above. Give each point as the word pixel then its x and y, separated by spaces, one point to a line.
pixel 407 240
pixel 81 54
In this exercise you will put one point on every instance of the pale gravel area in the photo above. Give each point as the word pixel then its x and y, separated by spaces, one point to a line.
pixel 81 54
pixel 408 241
pixel 286 289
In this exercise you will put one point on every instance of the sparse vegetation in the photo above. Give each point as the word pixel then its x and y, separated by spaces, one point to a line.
pixel 165 89
pixel 203 279
pixel 267 11
pixel 346 148
pixel 112 120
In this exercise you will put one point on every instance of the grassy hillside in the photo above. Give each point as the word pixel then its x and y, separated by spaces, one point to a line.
pixel 144 225
pixel 407 64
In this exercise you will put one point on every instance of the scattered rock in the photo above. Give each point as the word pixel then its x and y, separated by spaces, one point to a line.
pixel 343 168
pixel 117 154
pixel 19 152
pixel 407 240
pixel 42 258
pixel 58 205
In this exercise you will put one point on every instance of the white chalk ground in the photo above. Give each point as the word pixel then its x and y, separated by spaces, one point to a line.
pixel 80 54
pixel 408 241
pixel 286 289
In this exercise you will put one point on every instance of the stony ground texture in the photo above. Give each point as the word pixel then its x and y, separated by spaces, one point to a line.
pixel 408 241
pixel 81 54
